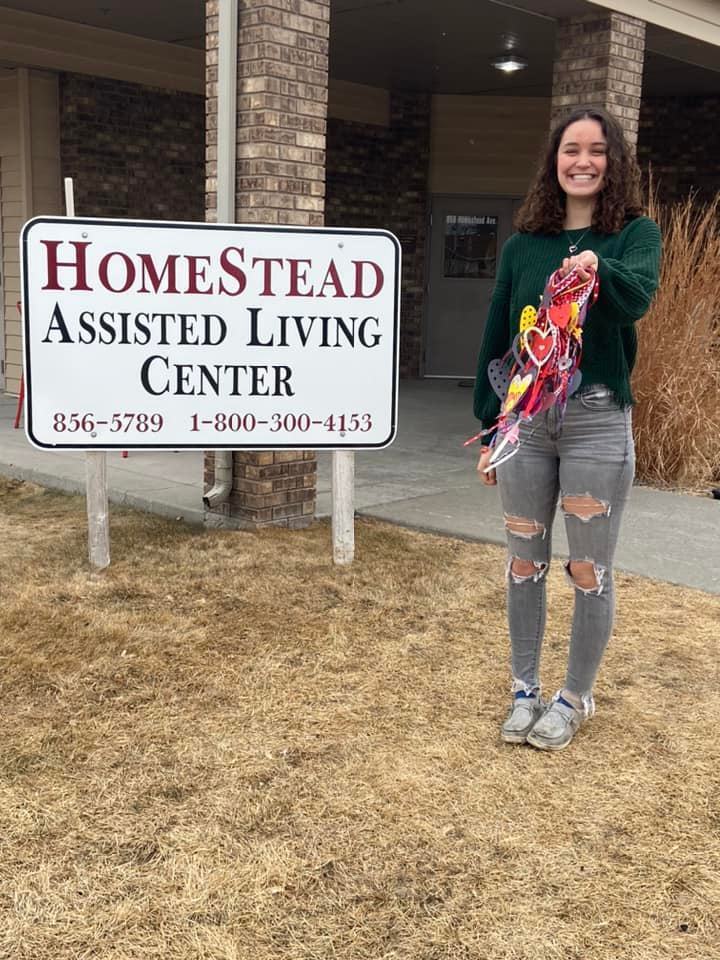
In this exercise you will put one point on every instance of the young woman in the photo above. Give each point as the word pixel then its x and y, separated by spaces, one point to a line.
pixel 583 211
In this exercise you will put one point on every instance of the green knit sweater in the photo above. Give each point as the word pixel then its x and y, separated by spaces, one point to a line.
pixel 628 268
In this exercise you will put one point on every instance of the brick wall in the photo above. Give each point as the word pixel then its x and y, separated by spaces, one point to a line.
pixel 680 139
pixel 378 177
pixel 272 487
pixel 132 150
pixel 599 62
pixel 282 109
pixel 282 105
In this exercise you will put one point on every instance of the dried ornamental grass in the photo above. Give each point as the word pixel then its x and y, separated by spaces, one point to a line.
pixel 677 378
pixel 224 748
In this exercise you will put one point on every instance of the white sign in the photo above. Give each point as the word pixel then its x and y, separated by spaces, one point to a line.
pixel 147 334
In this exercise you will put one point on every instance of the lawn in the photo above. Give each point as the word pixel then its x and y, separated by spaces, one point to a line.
pixel 223 747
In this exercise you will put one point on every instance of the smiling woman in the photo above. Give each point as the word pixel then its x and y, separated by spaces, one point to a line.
pixel 580 224
pixel 581 164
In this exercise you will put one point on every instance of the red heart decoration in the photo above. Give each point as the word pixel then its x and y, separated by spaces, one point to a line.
pixel 560 315
pixel 541 345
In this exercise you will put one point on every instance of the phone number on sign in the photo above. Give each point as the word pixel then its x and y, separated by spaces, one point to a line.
pixel 283 422
pixel 116 423
pixel 341 423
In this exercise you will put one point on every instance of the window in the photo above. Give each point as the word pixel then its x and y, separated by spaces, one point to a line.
pixel 470 247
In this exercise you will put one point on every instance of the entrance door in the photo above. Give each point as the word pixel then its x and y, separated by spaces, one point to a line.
pixel 466 235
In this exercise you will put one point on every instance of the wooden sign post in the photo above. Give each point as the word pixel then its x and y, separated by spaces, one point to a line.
pixel 95 471
pixel 343 506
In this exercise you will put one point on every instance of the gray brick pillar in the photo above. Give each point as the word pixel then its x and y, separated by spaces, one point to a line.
pixel 282 115
pixel 599 62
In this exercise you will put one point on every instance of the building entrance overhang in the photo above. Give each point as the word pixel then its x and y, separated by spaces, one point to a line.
pixel 419 45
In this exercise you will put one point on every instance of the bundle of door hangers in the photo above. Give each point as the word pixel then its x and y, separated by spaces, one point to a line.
pixel 541 369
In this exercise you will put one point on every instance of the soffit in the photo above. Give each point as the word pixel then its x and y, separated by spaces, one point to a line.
pixel 173 21
pixel 694 18
pixel 442 47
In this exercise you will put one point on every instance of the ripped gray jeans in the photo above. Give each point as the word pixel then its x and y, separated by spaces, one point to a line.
pixel 588 463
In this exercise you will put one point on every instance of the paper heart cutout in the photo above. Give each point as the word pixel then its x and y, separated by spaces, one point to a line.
pixel 547 400
pixel 539 345
pixel 574 314
pixel 517 350
pixel 510 439
pixel 518 387
pixel 513 434
pixel 560 314
pixel 528 317
pixel 499 457
pixel 499 375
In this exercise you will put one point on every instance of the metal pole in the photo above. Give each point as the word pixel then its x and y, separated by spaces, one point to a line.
pixel 95 471
pixel 226 109
pixel 226 151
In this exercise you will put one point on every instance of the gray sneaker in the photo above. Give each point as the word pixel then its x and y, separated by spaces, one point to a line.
pixel 559 724
pixel 524 713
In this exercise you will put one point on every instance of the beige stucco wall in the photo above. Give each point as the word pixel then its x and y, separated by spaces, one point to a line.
pixel 478 145
pixel 486 145
pixel 29 185
pixel 45 141
pixel 358 102
pixel 12 213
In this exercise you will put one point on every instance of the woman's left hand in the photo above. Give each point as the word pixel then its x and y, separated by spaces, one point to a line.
pixel 585 259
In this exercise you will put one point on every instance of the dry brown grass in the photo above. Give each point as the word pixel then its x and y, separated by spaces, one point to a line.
pixel 677 378
pixel 225 748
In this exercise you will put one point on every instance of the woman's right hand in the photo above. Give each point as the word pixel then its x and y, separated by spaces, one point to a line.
pixel 489 478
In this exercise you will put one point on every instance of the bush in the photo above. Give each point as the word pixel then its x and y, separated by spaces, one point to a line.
pixel 677 378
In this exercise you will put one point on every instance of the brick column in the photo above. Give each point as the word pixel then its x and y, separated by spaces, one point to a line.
pixel 282 115
pixel 599 63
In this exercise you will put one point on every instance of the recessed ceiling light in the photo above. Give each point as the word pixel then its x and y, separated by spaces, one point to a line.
pixel 509 63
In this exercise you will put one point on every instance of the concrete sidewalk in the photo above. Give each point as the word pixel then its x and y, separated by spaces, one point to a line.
pixel 426 479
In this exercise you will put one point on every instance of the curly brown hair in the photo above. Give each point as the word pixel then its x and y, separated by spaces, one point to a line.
pixel 620 199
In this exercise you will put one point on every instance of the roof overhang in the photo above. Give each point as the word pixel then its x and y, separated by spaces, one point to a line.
pixel 406 44
pixel 699 19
